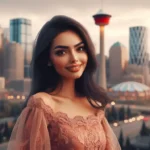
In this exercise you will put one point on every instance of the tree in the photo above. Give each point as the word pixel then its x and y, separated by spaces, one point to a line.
pixel 109 115
pixel 7 108
pixel 128 145
pixel 2 105
pixel 6 131
pixel 129 114
pixel 1 137
pixel 1 132
pixel 114 113
pixel 121 139
pixel 122 113
pixel 15 110
pixel 144 130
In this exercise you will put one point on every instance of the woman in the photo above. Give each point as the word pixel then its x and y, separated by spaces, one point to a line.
pixel 65 108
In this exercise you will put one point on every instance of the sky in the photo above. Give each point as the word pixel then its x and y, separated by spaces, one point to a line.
pixel 125 14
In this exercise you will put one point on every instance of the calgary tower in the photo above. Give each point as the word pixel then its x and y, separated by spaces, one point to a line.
pixel 102 19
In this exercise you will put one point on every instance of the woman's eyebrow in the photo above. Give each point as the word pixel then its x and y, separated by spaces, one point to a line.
pixel 66 47
pixel 78 44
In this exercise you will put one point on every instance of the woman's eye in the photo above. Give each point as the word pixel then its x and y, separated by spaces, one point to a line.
pixel 81 48
pixel 61 52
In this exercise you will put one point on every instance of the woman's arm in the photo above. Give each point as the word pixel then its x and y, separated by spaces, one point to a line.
pixel 112 141
pixel 30 131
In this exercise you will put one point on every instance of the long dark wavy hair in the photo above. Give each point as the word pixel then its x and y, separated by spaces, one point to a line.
pixel 45 77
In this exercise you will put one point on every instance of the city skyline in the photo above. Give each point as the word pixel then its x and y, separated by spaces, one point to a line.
pixel 125 14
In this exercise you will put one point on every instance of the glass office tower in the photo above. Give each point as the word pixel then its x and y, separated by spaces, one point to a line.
pixel 138 45
pixel 20 32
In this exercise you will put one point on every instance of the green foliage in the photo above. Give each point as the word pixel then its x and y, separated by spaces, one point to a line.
pixel 10 108
pixel 1 137
pixel 121 139
pixel 1 132
pixel 114 113
pixel 144 130
pixel 16 110
pixel 2 105
pixel 5 108
pixel 6 133
pixel 128 145
pixel 109 115
pixel 129 114
pixel 121 113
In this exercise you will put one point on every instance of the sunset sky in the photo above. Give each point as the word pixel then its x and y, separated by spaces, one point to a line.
pixel 125 13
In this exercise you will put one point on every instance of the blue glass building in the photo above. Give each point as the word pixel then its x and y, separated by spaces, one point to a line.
pixel 20 32
pixel 138 45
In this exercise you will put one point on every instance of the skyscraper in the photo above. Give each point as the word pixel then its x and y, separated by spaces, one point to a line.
pixel 6 33
pixel 1 36
pixel 1 51
pixel 138 45
pixel 118 60
pixel 13 65
pixel 138 49
pixel 20 32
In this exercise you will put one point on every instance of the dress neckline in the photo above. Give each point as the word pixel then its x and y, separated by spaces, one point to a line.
pixel 66 116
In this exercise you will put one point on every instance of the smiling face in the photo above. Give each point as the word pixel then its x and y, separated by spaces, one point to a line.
pixel 68 55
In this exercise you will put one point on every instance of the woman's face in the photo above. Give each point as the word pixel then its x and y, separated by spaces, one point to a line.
pixel 68 55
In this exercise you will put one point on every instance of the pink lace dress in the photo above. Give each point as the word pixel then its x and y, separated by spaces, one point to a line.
pixel 40 128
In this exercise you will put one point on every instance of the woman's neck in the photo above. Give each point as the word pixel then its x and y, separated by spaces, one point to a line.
pixel 66 90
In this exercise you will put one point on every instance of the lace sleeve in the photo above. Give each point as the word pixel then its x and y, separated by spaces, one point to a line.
pixel 112 141
pixel 30 131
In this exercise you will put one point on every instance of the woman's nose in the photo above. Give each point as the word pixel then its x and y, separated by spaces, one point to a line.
pixel 74 61
pixel 74 57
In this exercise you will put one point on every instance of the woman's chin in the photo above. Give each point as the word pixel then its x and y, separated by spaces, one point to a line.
pixel 73 77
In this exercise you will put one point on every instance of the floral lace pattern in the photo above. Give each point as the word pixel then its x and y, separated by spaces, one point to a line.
pixel 40 128
pixel 73 133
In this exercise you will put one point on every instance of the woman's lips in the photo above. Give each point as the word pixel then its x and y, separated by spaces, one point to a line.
pixel 74 69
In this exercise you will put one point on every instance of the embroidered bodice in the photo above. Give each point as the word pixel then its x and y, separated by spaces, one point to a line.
pixel 40 128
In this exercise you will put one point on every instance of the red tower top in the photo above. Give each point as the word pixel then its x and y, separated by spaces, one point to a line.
pixel 101 18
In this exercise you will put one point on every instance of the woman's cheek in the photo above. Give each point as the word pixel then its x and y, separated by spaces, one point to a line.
pixel 84 58
pixel 59 63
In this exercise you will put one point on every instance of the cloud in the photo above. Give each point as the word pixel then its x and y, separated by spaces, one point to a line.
pixel 124 14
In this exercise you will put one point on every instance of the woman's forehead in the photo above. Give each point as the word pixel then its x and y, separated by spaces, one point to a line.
pixel 67 38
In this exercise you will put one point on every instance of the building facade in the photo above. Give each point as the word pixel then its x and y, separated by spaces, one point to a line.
pixel 138 45
pixel 20 32
pixel 1 36
pixel 2 83
pixel 14 64
pixel 118 60
pixel 6 33
pixel 23 85
pixel 1 51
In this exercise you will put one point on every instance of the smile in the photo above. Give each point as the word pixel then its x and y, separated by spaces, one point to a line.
pixel 74 69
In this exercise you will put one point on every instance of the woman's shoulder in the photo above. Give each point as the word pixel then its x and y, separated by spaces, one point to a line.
pixel 40 99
